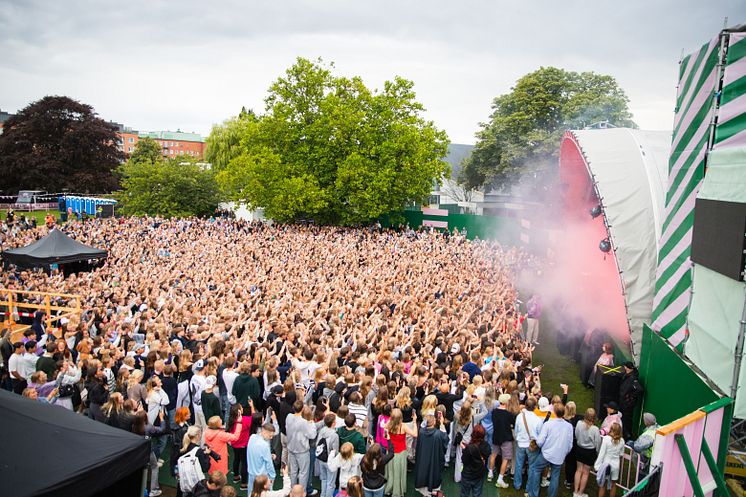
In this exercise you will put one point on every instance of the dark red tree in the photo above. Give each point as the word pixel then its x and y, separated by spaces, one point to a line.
pixel 59 143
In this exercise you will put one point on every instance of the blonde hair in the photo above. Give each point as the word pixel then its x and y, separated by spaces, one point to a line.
pixel 347 450
pixel 214 422
pixel 193 434
pixel 615 432
pixel 135 377
pixel 429 404
pixel 570 410
pixel 404 398
pixel 395 421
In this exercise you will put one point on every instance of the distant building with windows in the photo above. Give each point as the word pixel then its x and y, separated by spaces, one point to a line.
pixel 173 143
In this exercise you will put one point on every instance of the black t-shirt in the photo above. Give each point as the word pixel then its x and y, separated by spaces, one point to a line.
pixel 502 426
pixel 447 399
pixel 475 460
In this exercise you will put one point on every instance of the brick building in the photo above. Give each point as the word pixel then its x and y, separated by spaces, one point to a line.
pixel 4 116
pixel 173 143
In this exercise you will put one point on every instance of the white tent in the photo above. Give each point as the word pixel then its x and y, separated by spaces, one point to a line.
pixel 629 171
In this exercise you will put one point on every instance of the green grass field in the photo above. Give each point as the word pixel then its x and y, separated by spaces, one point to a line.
pixel 39 215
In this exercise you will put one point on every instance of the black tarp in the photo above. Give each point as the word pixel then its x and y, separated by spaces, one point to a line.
pixel 55 248
pixel 48 450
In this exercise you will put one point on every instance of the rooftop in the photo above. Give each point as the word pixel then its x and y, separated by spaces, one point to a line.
pixel 172 135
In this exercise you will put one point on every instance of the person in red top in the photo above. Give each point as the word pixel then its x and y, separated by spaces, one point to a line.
pixel 217 440
pixel 240 417
pixel 396 470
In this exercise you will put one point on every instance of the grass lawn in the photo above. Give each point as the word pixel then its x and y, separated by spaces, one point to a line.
pixel 39 215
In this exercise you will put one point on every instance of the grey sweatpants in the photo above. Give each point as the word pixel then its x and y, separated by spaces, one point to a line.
pixel 299 465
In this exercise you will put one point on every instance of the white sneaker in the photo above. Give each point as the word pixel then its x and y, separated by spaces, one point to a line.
pixel 490 475
pixel 155 493
pixel 501 484
pixel 544 482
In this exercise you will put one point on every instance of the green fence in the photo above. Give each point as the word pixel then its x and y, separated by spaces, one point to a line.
pixel 673 388
pixel 503 229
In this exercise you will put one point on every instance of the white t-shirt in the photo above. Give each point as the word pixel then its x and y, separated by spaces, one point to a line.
pixel 229 376
pixel 28 364
pixel 15 364
pixel 197 385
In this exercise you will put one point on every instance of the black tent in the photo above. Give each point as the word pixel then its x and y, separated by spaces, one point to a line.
pixel 50 451
pixel 55 248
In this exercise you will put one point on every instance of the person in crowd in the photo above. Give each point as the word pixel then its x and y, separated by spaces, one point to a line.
pixel 609 460
pixel 555 442
pixel 503 422
pixel 179 429
pixel 347 462
pixel 612 416
pixel 533 315
pixel 327 444
pixel 349 433
pixel 211 486
pixel 373 468
pixel 630 392
pixel 217 439
pixel 571 465
pixel 355 487
pixel 140 426
pixel 527 426
pixel 396 469
pixel 587 443
pixel 210 402
pixel 191 442
pixel 98 393
pixel 237 416
pixel 300 432
pixel 262 486
pixel 259 460
pixel 432 444
pixel 644 443
pixel 474 457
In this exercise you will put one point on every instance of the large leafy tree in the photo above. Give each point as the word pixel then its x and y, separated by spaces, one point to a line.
pixel 526 125
pixel 58 143
pixel 175 187
pixel 225 141
pixel 146 150
pixel 329 149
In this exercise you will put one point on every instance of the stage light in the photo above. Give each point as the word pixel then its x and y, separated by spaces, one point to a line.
pixel 596 211
pixel 605 246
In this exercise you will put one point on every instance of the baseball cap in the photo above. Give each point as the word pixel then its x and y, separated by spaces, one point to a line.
pixel 199 365
pixel 277 390
pixel 612 405
pixel 544 404
pixel 455 348
pixel 211 381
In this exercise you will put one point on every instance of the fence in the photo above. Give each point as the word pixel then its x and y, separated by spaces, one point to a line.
pixel 14 302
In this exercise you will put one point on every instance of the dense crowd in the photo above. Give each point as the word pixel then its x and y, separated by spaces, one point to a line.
pixel 363 357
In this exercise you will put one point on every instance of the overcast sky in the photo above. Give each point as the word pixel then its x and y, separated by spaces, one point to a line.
pixel 156 65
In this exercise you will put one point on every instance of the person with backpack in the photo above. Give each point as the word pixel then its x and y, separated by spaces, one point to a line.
pixel 527 426
pixel 193 462
pixel 474 457
pixel 327 442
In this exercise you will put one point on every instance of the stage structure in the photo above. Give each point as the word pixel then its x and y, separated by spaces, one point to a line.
pixel 614 183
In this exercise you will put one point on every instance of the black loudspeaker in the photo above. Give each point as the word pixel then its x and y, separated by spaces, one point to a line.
pixel 718 237
pixel 608 381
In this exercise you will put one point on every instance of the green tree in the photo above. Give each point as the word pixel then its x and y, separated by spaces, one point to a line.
pixel 58 143
pixel 330 149
pixel 225 141
pixel 175 187
pixel 146 150
pixel 526 125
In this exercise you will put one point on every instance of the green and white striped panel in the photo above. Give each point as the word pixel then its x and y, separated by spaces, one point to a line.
pixel 731 128
pixel 686 168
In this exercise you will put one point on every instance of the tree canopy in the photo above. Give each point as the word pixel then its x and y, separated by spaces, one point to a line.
pixel 328 148
pixel 58 143
pixel 526 125
pixel 174 187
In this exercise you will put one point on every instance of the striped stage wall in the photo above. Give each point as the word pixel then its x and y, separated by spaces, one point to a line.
pixel 692 127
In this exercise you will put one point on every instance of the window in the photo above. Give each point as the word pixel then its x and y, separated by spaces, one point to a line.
pixel 131 139
pixel 130 149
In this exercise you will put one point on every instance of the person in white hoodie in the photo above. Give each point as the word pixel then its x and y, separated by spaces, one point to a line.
pixel 347 461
